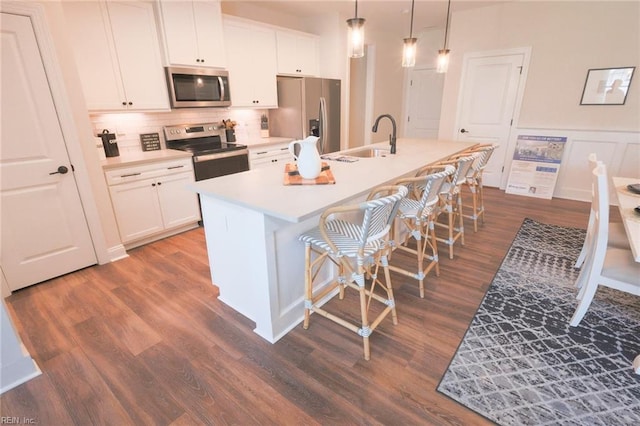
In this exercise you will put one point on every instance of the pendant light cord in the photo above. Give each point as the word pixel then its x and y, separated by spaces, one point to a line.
pixel 356 9
pixel 446 28
pixel 411 26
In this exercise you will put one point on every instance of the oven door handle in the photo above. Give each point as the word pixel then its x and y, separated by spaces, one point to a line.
pixel 219 155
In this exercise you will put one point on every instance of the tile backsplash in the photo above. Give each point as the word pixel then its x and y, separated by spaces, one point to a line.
pixel 129 125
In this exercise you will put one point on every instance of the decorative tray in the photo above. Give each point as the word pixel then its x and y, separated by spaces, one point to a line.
pixel 292 177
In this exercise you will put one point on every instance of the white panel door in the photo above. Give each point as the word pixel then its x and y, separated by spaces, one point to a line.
pixel 43 229
pixel 489 92
pixel 425 101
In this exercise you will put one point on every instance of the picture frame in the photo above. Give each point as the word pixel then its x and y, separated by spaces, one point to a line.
pixel 607 86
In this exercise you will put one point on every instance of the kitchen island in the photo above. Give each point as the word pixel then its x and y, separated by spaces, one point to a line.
pixel 252 222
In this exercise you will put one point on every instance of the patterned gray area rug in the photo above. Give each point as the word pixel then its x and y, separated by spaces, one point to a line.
pixel 520 363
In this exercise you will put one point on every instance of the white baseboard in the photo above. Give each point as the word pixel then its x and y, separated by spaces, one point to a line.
pixel 116 253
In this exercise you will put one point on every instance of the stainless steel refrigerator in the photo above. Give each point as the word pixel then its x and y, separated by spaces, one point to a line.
pixel 308 106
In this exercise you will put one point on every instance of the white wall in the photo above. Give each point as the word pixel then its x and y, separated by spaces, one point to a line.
pixel 388 90
pixel 567 39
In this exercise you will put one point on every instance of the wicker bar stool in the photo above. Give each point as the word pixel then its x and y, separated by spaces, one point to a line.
pixel 357 249
pixel 451 201
pixel 415 217
pixel 473 181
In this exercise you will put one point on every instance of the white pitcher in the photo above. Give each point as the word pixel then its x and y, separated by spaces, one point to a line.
pixel 309 163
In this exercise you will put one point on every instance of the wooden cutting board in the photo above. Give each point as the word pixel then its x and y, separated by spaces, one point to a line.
pixel 292 177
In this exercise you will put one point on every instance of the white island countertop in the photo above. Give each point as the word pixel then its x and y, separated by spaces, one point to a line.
pixel 263 190
pixel 252 222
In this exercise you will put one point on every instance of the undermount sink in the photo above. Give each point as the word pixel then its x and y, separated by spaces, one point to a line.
pixel 369 153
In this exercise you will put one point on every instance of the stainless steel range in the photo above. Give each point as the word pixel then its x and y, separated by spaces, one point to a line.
pixel 212 156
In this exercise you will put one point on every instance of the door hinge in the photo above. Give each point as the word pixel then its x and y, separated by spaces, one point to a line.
pixel 511 124
pixel 502 169
pixel 73 169
pixel 410 82
pixel 408 118
pixel 520 69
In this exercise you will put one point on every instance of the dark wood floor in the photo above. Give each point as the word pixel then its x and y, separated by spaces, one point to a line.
pixel 145 341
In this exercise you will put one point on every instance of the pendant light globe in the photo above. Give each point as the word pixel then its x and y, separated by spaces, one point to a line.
pixel 443 61
pixel 356 35
pixel 409 52
pixel 410 44
pixel 442 64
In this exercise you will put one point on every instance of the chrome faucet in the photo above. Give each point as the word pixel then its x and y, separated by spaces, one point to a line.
pixel 392 137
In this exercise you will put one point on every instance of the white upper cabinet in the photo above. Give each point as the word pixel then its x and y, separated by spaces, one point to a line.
pixel 252 65
pixel 192 33
pixel 298 53
pixel 117 54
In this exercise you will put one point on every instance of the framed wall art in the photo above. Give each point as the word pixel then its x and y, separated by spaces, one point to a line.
pixel 607 86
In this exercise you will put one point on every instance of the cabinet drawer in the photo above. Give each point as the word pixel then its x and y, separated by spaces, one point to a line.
pixel 147 171
pixel 273 151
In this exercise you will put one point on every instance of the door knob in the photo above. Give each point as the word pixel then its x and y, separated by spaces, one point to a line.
pixel 62 170
pixel 464 131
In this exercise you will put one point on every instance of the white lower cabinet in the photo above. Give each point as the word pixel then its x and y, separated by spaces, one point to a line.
pixel 261 157
pixel 151 201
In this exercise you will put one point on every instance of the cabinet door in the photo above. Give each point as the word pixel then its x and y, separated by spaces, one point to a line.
pixel 178 205
pixel 251 58
pixel 96 59
pixel 193 33
pixel 308 54
pixel 180 32
pixel 287 53
pixel 135 38
pixel 297 53
pixel 208 24
pixel 137 209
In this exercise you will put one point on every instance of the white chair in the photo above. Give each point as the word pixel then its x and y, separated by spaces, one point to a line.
pixel 608 266
pixel 341 240
pixel 617 234
pixel 415 220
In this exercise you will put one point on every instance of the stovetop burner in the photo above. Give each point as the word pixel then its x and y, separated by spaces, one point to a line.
pixel 209 145
pixel 199 139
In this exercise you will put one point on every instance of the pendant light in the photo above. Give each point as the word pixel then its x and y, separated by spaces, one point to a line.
pixel 356 35
pixel 443 54
pixel 409 49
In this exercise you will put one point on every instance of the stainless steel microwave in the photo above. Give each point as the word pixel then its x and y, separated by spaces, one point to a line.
pixel 198 87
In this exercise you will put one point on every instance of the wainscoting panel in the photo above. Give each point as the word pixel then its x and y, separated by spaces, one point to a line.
pixel 620 151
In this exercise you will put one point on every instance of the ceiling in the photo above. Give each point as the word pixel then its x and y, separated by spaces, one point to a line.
pixel 392 16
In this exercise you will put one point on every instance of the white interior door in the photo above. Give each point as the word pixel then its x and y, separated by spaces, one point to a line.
pixel 491 86
pixel 424 103
pixel 43 231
